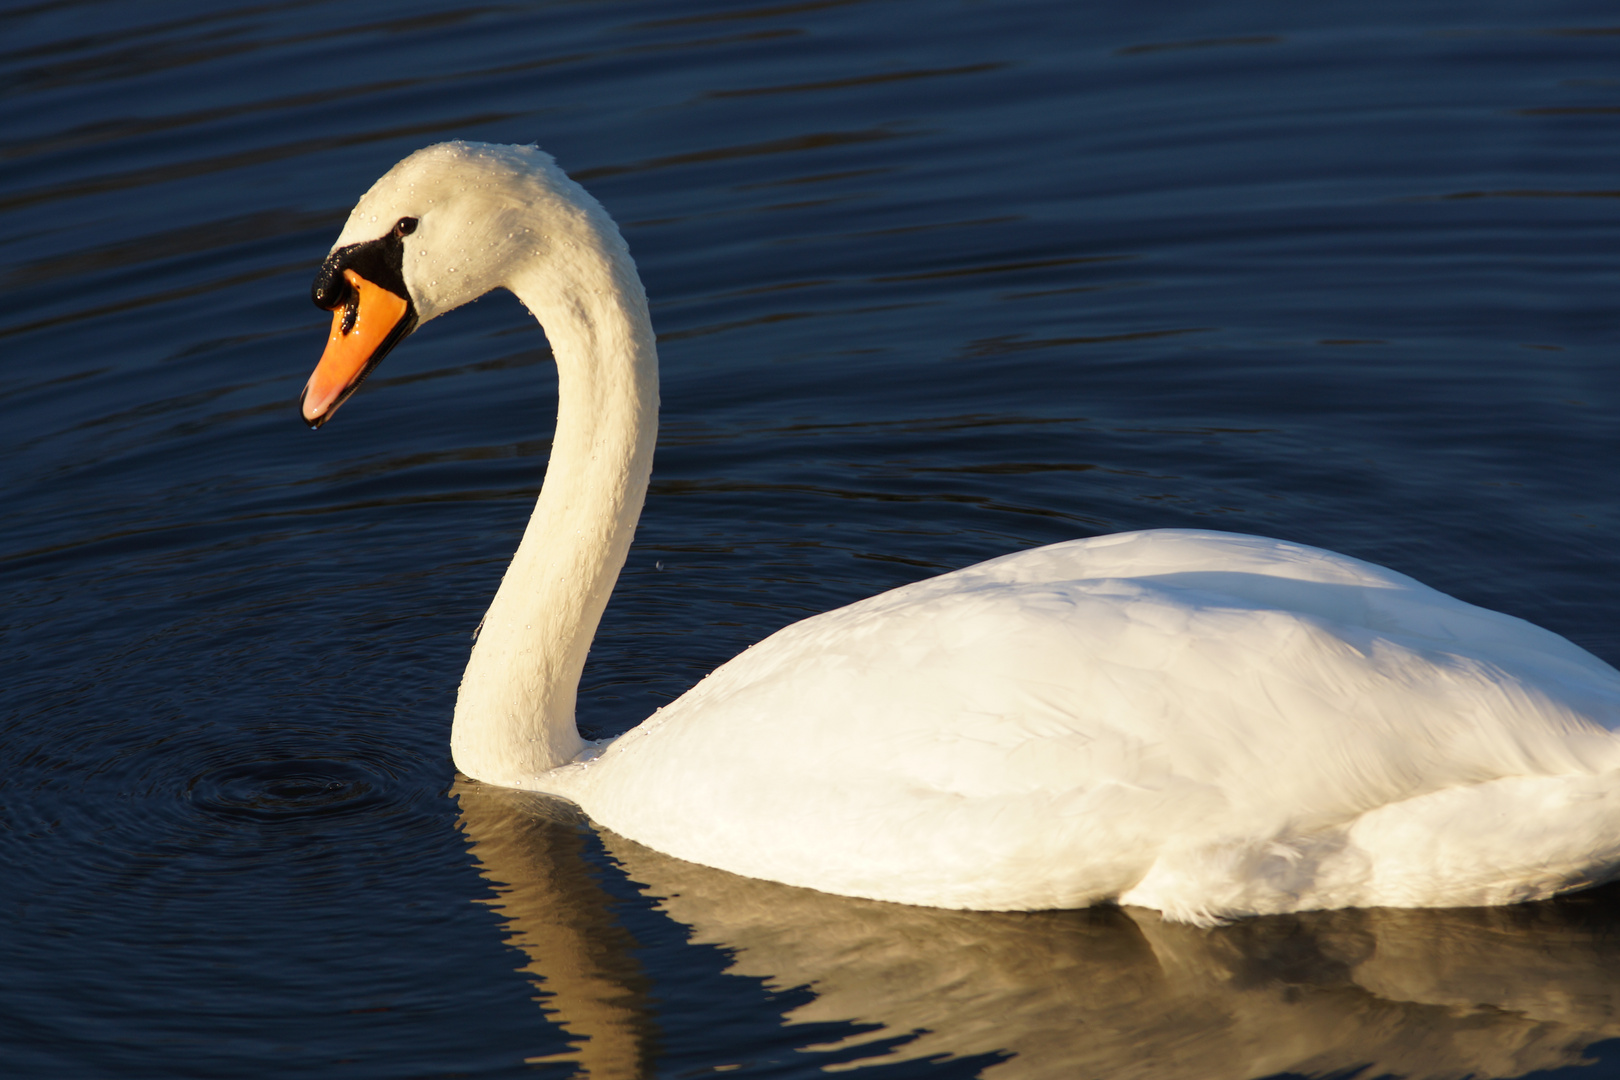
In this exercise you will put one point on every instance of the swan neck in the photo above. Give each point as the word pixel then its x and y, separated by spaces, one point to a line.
pixel 515 711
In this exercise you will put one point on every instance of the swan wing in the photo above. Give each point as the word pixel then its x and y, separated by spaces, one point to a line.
pixel 1054 727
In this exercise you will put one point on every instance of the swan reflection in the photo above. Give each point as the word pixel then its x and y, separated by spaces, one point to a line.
pixel 1105 992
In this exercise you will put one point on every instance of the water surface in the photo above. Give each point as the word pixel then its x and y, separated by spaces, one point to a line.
pixel 933 282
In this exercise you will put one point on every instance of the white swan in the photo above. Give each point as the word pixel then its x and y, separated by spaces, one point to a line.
pixel 1209 724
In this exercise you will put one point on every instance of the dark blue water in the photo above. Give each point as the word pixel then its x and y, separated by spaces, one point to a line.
pixel 933 282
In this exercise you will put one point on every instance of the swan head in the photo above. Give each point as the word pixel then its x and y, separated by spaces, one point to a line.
pixel 442 228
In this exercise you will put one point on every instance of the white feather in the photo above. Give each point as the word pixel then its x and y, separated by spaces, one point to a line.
pixel 1208 724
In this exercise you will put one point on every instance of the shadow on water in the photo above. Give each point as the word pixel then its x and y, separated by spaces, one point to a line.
pixel 1432 994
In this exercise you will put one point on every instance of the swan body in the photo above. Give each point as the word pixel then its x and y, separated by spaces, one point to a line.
pixel 1209 724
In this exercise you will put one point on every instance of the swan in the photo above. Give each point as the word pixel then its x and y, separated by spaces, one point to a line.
pixel 1209 724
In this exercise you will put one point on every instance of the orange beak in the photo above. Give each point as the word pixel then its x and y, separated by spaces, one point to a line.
pixel 363 330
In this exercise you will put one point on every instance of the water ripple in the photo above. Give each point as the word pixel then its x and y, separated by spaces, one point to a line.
pixel 278 790
pixel 230 647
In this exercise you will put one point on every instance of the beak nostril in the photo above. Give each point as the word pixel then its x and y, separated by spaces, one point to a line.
pixel 332 292
pixel 351 311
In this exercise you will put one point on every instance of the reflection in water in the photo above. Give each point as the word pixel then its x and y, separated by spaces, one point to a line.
pixel 579 957
pixel 1104 992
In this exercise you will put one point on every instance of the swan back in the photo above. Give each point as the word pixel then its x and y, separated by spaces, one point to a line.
pixel 1055 727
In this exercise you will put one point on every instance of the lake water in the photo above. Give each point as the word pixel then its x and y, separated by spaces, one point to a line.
pixel 933 282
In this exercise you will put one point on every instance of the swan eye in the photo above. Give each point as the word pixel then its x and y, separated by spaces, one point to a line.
pixel 405 226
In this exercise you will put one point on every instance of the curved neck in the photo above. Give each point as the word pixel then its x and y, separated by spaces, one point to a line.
pixel 515 711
